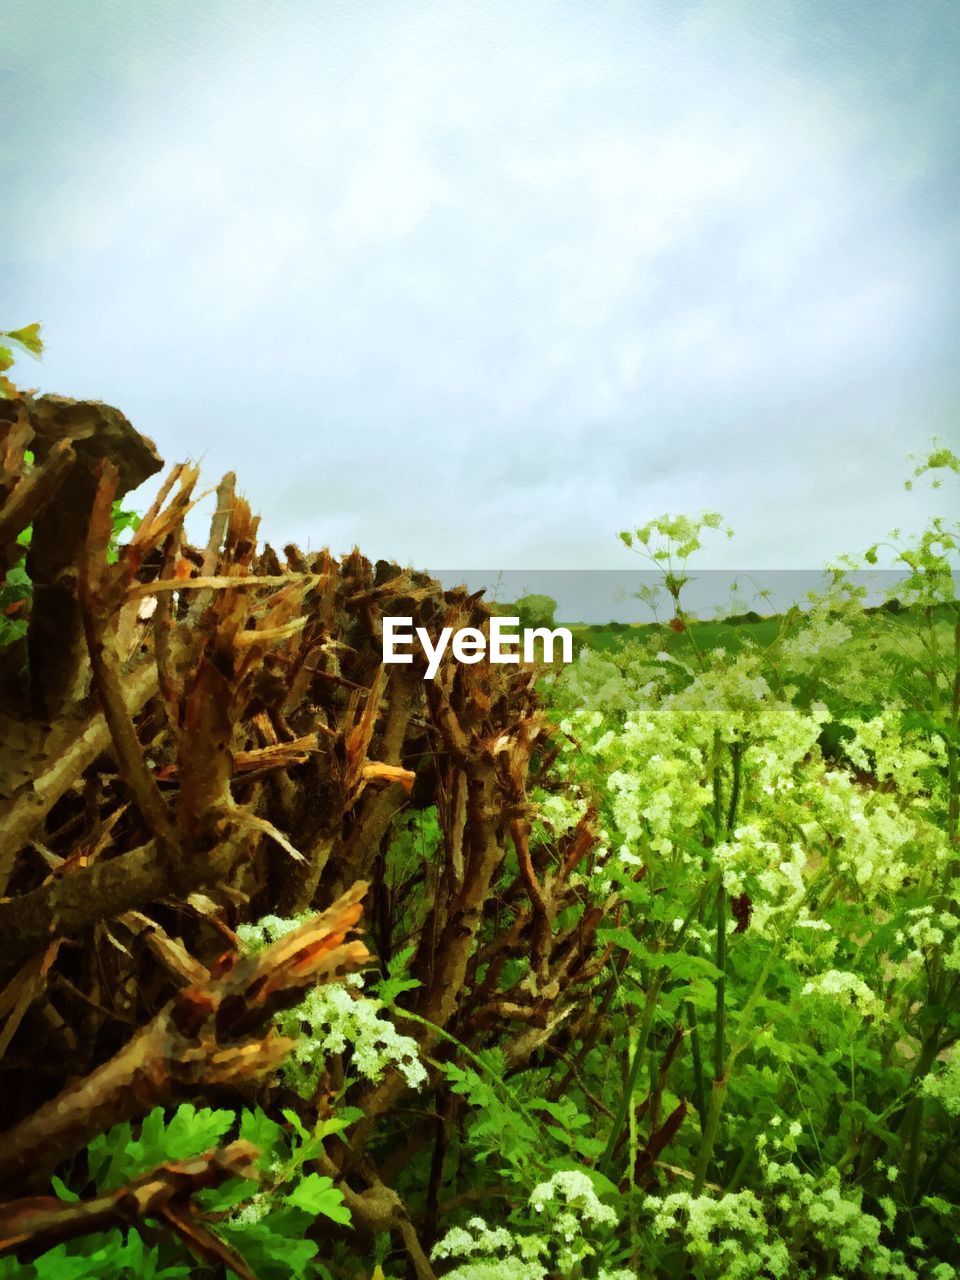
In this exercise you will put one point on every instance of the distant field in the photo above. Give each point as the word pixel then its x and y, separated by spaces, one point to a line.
pixel 729 633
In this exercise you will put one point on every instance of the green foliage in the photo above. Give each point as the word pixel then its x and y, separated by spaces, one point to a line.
pixel 765 1079
pixel 117 1157
pixel 265 1220
pixel 536 610
pixel 26 340
pixel 336 1018
pixel 15 593
pixel 569 1223
pixel 105 1256
pixel 533 609
pixel 779 810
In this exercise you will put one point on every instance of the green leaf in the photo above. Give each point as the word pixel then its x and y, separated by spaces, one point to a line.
pixel 274 1247
pixel 28 337
pixel 106 1150
pixel 115 1157
pixel 397 980
pixel 566 1113
pixel 190 1132
pixel 346 1116
pixel 293 1119
pixel 265 1134
pixel 104 1256
pixel 229 1196
pixel 62 1191
pixel 316 1194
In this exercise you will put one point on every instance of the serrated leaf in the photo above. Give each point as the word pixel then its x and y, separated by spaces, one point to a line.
pixel 265 1134
pixel 274 1247
pixel 293 1119
pixel 106 1149
pixel 115 1157
pixel 317 1195
pixel 564 1112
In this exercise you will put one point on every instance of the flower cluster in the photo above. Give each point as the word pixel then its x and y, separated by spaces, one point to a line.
pixel 569 1207
pixel 945 1086
pixel 726 1236
pixel 493 1252
pixel 333 1018
pixel 848 989
pixel 883 745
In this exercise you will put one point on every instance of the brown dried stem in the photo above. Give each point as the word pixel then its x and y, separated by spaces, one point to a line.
pixel 37 1223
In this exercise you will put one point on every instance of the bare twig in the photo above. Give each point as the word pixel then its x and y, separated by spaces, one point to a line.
pixel 33 493
pixel 40 1222
pixel 211 1033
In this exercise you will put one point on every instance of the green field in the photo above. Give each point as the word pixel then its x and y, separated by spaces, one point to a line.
pixel 729 633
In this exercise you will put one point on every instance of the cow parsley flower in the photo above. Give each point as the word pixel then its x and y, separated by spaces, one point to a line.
pixel 848 989
pixel 573 1190
pixel 333 1018
pixel 945 1086
pixel 569 1207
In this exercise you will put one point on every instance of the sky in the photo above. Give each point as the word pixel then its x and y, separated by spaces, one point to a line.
pixel 475 285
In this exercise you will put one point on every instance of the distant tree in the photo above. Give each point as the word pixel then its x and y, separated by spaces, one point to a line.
pixel 536 610
pixel 750 616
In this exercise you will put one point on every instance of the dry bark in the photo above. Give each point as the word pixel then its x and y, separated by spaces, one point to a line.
pixel 205 735
pixel 36 1223
pixel 214 1032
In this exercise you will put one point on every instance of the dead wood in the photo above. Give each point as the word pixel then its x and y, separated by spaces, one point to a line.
pixel 212 1033
pixel 85 432
pixel 35 1223
pixel 205 736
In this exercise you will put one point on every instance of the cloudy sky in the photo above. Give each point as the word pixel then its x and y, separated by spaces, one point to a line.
pixel 477 284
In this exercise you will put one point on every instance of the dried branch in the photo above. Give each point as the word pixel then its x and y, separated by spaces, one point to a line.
pixel 100 631
pixel 72 748
pixel 55 636
pixel 275 720
pixel 32 494
pixel 211 1033
pixel 226 493
pixel 37 1223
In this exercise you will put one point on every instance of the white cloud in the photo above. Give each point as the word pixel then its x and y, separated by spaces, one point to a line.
pixel 542 264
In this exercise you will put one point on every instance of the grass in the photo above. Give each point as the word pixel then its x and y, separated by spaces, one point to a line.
pixel 726 632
